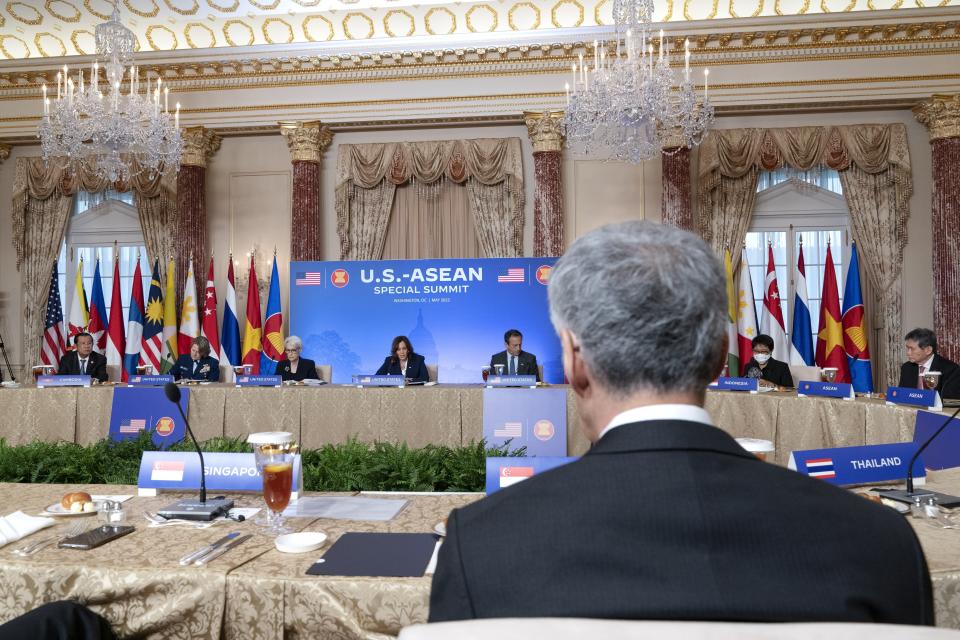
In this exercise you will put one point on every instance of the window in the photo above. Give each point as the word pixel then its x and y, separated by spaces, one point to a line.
pixel 85 200
pixel 824 178
pixel 788 212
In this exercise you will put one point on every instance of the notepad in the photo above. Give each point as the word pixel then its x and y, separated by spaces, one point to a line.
pixel 390 555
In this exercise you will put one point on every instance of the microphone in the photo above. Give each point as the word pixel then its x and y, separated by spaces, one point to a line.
pixel 909 495
pixel 186 509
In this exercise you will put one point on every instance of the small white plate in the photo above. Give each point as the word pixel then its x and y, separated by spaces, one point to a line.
pixel 56 509
pixel 302 542
pixel 440 529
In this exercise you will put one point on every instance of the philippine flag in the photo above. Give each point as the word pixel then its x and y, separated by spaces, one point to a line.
pixel 167 471
pixel 821 468
pixel 513 475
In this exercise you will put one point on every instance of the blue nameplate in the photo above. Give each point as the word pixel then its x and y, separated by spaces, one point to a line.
pixel 259 381
pixel 63 381
pixel 503 472
pixel 859 465
pixel 944 452
pixel 927 398
pixel 180 471
pixel 825 389
pixel 739 384
pixel 512 381
pixel 149 381
pixel 379 381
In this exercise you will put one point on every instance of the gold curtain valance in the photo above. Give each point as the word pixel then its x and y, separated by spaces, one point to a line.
pixel 40 180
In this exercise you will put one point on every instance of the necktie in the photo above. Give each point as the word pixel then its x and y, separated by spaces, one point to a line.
pixel 513 365
pixel 83 366
pixel 920 377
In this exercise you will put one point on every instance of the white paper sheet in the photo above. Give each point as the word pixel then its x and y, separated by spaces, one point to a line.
pixel 373 509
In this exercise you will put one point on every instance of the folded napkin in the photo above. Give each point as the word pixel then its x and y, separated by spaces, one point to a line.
pixel 19 525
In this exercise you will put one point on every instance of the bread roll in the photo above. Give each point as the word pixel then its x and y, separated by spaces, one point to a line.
pixel 76 496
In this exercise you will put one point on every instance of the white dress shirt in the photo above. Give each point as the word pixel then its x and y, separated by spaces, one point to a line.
pixel 689 412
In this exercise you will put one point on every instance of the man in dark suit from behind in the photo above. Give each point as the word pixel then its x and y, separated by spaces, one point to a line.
pixel 514 359
pixel 84 360
pixel 666 517
pixel 922 357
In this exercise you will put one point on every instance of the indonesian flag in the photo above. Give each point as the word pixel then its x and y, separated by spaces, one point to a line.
pixel 771 320
pixel 208 327
pixel 733 350
pixel 746 315
pixel 830 351
pixel 79 311
pixel 189 320
pixel 253 331
pixel 116 339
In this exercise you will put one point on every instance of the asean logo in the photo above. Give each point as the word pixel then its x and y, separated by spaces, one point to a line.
pixel 164 427
pixel 340 278
pixel 543 430
pixel 543 273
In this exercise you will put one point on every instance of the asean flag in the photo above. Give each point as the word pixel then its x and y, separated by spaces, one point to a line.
pixel 830 351
pixel 272 327
pixel 855 329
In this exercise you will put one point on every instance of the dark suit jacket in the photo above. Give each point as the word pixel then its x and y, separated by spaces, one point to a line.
pixel 209 369
pixel 416 368
pixel 526 364
pixel 672 520
pixel 949 386
pixel 96 365
pixel 306 370
pixel 776 372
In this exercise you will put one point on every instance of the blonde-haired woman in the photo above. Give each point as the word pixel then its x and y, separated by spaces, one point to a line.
pixel 293 367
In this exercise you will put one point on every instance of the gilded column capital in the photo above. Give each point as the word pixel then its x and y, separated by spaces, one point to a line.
pixel 4 151
pixel 674 139
pixel 199 145
pixel 306 140
pixel 545 129
pixel 940 115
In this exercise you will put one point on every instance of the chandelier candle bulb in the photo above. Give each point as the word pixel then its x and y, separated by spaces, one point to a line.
pixel 706 75
pixel 176 116
pixel 166 100
pixel 661 44
pixel 573 71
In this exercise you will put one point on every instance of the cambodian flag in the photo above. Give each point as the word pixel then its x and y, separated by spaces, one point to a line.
pixel 272 327
pixel 855 329
pixel 131 358
pixel 98 313
pixel 801 346
pixel 230 333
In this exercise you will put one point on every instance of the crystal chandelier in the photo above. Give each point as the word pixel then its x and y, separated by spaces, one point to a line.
pixel 631 106
pixel 106 131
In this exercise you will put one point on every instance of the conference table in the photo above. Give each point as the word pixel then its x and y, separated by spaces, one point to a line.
pixel 444 414
pixel 255 591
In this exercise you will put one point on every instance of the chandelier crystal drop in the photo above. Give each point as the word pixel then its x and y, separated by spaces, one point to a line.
pixel 630 105
pixel 116 131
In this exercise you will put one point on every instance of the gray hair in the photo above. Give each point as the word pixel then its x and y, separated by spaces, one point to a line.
pixel 647 304
pixel 293 342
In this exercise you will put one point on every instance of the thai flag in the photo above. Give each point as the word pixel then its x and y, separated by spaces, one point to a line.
pixel 513 475
pixel 230 332
pixel 135 425
pixel 167 471
pixel 309 279
pixel 131 357
pixel 820 468
pixel 801 345
pixel 53 347
pixel 512 275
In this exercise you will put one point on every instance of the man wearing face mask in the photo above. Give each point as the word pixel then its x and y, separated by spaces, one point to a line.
pixel 763 366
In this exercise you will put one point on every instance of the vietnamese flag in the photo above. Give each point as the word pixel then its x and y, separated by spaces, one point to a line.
pixel 830 350
pixel 253 330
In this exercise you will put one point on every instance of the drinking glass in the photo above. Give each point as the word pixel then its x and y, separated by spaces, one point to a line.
pixel 42 370
pixel 931 379
pixel 485 373
pixel 499 369
pixel 828 374
pixel 274 453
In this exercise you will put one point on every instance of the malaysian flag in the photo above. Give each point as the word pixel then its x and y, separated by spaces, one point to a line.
pixel 821 468
pixel 513 475
pixel 309 279
pixel 512 275
pixel 52 345
pixel 509 430
pixel 134 425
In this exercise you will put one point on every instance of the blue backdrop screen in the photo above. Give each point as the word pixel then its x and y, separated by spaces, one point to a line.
pixel 454 312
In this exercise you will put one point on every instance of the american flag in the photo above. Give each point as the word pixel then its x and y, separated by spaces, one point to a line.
pixel 512 275
pixel 134 425
pixel 52 347
pixel 309 279
pixel 509 430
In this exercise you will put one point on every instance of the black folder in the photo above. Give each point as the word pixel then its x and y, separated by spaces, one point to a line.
pixel 392 555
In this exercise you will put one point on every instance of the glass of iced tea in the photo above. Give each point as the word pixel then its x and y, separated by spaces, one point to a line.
pixel 485 373
pixel 274 453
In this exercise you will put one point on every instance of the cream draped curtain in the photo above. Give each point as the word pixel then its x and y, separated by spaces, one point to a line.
pixel 368 174
pixel 431 221
pixel 874 166
pixel 42 201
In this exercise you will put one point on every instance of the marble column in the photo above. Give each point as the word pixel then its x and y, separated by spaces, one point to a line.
pixel 676 201
pixel 544 129
pixel 307 142
pixel 190 234
pixel 941 116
